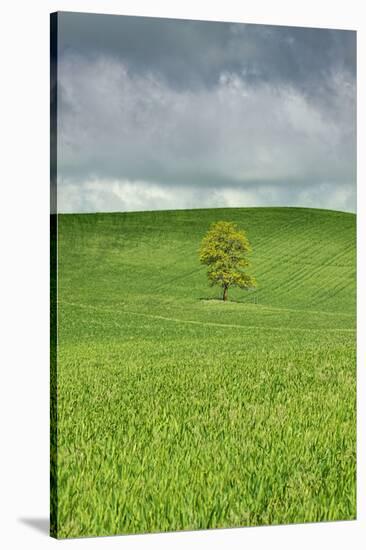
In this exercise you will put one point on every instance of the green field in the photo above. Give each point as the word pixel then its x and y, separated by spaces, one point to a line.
pixel 179 411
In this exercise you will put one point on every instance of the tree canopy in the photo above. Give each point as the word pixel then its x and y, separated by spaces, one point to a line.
pixel 224 250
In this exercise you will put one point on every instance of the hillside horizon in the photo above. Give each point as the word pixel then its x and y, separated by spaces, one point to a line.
pixel 214 208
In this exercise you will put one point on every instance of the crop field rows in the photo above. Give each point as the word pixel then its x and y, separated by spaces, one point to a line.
pixel 179 411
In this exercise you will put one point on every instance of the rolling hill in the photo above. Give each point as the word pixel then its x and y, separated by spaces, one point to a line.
pixel 179 411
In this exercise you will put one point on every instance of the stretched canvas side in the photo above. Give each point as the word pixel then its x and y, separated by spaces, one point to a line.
pixel 53 276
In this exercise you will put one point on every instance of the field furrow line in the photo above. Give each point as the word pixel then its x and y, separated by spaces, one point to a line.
pixel 209 323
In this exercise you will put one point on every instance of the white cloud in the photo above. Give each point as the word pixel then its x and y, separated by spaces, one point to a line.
pixel 131 142
pixel 126 196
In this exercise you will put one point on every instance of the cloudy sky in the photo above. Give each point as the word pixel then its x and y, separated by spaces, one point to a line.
pixel 161 114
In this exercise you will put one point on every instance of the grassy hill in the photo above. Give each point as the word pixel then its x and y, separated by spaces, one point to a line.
pixel 180 411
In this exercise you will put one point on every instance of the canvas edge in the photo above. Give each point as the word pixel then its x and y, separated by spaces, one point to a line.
pixel 53 276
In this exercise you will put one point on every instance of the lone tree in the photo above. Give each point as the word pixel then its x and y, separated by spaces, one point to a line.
pixel 224 249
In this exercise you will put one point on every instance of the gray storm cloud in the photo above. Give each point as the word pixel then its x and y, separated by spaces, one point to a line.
pixel 133 136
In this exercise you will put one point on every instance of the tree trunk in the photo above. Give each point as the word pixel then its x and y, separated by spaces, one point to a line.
pixel 225 294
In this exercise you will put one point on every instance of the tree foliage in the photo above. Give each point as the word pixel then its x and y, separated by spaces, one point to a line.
pixel 224 250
